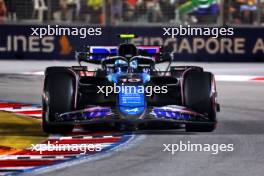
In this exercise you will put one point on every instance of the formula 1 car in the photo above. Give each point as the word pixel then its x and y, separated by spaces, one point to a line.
pixel 128 91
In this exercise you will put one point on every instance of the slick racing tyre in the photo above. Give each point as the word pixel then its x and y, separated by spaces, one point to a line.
pixel 58 97
pixel 199 95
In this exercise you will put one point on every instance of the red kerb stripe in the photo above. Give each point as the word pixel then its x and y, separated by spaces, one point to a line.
pixel 258 79
pixel 21 163
pixel 29 112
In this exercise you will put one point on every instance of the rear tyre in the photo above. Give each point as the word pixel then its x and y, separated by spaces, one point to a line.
pixel 198 92
pixel 58 97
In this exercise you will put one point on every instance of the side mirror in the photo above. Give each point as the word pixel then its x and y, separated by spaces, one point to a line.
pixel 164 57
pixel 166 49
pixel 81 56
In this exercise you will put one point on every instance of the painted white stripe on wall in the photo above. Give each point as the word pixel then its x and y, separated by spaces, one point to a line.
pixel 236 78
pixel 25 109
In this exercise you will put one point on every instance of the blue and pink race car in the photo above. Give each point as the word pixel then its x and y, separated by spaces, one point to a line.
pixel 128 92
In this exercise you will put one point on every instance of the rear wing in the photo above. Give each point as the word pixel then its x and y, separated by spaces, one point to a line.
pixel 94 54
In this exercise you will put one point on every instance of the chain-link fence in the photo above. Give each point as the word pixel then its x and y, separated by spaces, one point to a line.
pixel 134 12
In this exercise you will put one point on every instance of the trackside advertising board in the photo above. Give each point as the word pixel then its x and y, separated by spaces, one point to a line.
pixel 246 45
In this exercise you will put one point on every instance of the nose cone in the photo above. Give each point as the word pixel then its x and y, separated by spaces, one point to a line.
pixel 131 102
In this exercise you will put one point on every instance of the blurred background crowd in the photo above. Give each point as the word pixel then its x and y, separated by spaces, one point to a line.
pixel 134 12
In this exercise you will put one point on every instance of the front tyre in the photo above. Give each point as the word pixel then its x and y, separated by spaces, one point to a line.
pixel 58 97
pixel 199 94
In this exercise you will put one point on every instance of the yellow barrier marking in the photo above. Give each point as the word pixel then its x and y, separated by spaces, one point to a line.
pixel 19 132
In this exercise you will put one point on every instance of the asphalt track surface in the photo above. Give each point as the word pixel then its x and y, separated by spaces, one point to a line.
pixel 241 122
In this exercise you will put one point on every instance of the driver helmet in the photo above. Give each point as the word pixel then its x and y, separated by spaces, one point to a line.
pixel 121 65
pixel 127 50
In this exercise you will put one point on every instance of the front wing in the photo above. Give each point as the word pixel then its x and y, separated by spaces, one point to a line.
pixel 99 114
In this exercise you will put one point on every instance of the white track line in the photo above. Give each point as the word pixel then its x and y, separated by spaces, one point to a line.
pixel 16 168
pixel 33 73
pixel 236 78
pixel 80 137
pixel 22 110
pixel 32 157
pixel 10 108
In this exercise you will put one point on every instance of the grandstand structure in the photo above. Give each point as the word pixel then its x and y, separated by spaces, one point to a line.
pixel 134 12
